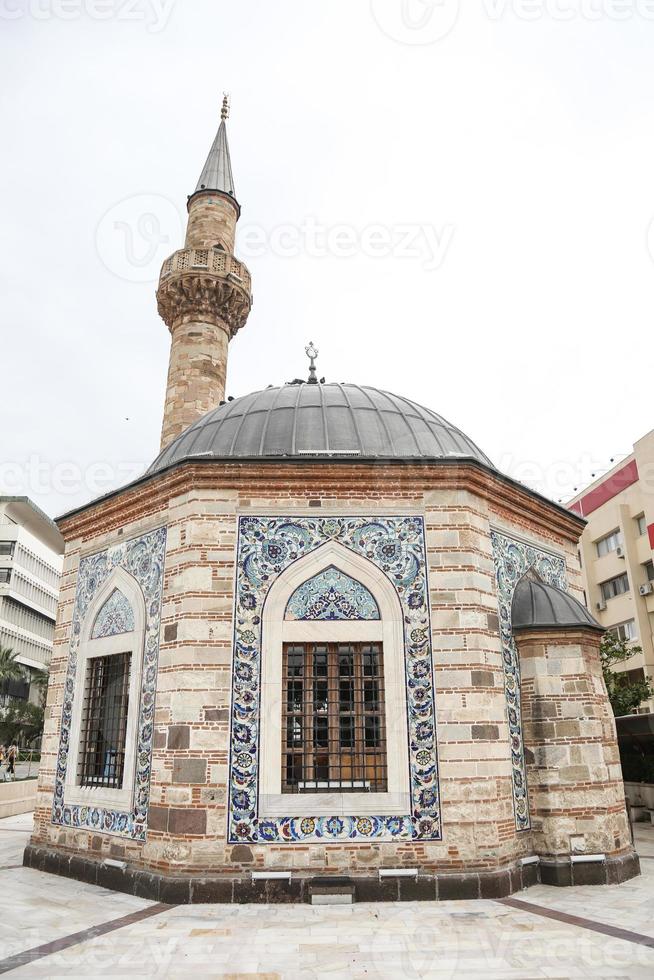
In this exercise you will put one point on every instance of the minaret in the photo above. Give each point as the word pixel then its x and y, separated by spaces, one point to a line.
pixel 204 294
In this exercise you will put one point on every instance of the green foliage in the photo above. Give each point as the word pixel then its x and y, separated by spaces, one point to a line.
pixel 40 679
pixel 10 669
pixel 21 720
pixel 625 695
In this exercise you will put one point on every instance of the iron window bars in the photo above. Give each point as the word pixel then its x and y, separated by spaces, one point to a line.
pixel 333 733
pixel 104 721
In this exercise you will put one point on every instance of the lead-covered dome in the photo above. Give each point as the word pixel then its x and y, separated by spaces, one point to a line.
pixel 320 420
pixel 539 606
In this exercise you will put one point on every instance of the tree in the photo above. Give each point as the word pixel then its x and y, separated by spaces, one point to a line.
pixel 22 720
pixel 624 694
pixel 40 680
pixel 10 669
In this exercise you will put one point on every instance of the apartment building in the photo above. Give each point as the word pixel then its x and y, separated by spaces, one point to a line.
pixel 31 549
pixel 617 551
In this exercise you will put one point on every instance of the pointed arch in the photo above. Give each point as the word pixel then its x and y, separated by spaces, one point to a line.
pixel 350 563
pixel 128 644
pixel 118 581
pixel 331 594
pixel 277 630
pixel 115 617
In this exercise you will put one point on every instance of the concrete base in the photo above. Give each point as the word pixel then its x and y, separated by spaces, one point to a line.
pixel 17 797
pixel 187 889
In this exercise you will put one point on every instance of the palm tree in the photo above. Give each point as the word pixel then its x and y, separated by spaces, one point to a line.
pixel 10 669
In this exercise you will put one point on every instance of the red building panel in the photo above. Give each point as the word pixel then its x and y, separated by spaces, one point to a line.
pixel 611 487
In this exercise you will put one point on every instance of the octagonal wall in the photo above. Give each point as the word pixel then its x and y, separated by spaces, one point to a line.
pixel 458 507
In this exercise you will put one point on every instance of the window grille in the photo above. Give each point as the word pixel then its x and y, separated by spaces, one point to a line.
pixel 104 721
pixel 334 735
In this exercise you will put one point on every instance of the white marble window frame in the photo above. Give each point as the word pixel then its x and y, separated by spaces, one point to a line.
pixel 132 643
pixel 276 631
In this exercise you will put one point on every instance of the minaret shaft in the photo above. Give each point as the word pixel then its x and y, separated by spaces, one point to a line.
pixel 203 296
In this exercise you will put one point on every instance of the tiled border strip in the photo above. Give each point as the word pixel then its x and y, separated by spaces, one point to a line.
pixel 512 558
pixel 267 546
pixel 47 949
pixel 576 920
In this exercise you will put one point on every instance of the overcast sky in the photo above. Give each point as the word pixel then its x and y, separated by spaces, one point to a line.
pixel 452 204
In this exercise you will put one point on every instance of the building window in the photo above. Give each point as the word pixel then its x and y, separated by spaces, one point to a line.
pixel 333 730
pixel 7 548
pixel 608 544
pixel 624 631
pixel 104 721
pixel 649 570
pixel 109 671
pixel 615 586
pixel 642 524
pixel 5 575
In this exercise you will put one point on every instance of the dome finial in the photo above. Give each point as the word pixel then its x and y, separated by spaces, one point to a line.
pixel 312 353
pixel 224 112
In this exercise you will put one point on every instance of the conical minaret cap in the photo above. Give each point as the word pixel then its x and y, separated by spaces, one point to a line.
pixel 217 172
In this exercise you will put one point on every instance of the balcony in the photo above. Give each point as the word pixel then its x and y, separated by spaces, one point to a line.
pixel 206 260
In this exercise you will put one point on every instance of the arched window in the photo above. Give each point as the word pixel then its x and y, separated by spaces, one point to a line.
pixel 107 685
pixel 333 694
pixel 333 713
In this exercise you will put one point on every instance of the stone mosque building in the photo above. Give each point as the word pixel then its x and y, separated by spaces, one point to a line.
pixel 322 650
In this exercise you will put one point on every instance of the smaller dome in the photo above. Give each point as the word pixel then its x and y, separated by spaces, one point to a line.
pixel 537 606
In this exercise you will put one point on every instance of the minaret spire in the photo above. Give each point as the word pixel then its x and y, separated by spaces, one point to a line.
pixel 217 172
pixel 204 294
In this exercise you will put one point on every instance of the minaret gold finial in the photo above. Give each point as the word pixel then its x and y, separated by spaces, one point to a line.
pixel 224 112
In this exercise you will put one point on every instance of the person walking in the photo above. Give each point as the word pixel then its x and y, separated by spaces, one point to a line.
pixel 11 760
pixel 2 762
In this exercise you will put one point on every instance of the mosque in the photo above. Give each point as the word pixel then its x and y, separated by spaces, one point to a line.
pixel 322 650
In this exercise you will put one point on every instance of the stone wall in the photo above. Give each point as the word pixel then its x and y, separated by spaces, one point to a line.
pixel 575 779
pixel 200 505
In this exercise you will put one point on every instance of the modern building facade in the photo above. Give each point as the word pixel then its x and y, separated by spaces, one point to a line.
pixel 323 646
pixel 617 553
pixel 31 555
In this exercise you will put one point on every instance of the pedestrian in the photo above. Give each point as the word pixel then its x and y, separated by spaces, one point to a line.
pixel 2 762
pixel 12 753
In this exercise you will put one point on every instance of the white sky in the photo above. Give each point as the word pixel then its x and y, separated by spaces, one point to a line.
pixel 518 148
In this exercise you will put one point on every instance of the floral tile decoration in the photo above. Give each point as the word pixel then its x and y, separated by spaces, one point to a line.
pixel 512 560
pixel 142 558
pixel 266 547
pixel 332 595
pixel 115 617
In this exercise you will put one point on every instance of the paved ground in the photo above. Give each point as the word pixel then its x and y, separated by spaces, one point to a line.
pixel 67 929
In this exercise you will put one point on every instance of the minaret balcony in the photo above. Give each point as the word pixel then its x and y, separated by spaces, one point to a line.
pixel 204 283
pixel 213 260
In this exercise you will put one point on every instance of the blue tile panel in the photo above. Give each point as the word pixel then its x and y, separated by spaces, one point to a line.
pixel 115 617
pixel 512 559
pixel 266 547
pixel 142 558
pixel 332 595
